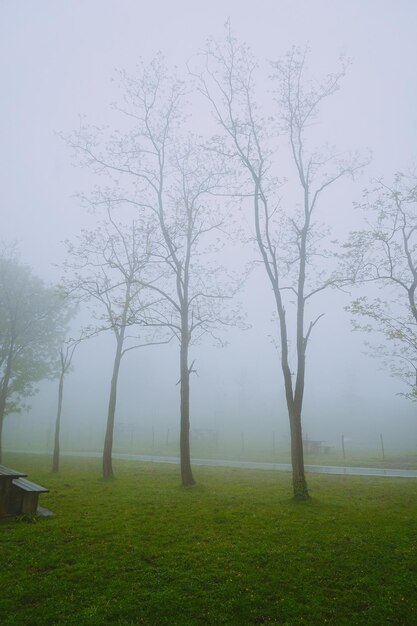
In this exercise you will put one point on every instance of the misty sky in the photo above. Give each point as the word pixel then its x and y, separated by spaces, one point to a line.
pixel 58 60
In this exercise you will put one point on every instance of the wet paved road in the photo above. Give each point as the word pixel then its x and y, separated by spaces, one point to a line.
pixel 281 467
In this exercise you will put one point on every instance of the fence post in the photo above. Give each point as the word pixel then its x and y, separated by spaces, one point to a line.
pixel 382 446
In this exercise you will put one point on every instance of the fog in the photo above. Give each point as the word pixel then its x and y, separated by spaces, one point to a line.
pixel 58 61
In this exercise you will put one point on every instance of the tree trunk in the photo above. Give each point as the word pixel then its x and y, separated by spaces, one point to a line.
pixel 300 490
pixel 108 440
pixel 294 401
pixel 2 412
pixel 55 458
pixel 3 396
pixel 1 437
pixel 186 472
pixel 299 482
pixel 293 397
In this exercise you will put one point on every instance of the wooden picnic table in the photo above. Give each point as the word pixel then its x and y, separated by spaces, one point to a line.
pixel 312 447
pixel 316 447
pixel 23 497
pixel 7 476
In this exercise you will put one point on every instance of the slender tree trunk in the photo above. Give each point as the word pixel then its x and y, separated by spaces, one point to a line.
pixel 299 482
pixel 55 458
pixel 294 401
pixel 293 397
pixel 297 453
pixel 108 440
pixel 300 490
pixel 1 436
pixel 186 472
pixel 3 396
pixel 2 412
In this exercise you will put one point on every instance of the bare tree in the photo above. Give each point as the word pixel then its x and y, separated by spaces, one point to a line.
pixel 66 353
pixel 385 253
pixel 173 181
pixel 107 267
pixel 194 291
pixel 288 238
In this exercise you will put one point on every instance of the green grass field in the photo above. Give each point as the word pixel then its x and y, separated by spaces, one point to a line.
pixel 234 549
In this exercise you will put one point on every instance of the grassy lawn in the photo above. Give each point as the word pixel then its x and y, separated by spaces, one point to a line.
pixel 234 549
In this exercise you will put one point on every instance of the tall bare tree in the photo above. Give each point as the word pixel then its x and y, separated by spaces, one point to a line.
pixel 385 253
pixel 107 267
pixel 287 237
pixel 168 176
pixel 66 354
pixel 196 288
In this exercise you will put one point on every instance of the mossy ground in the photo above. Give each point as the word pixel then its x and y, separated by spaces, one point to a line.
pixel 234 549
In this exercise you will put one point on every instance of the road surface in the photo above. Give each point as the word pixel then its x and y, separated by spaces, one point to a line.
pixel 281 467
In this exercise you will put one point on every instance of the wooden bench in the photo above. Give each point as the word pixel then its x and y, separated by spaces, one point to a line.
pixel 315 447
pixel 23 497
pixel 312 447
pixel 7 475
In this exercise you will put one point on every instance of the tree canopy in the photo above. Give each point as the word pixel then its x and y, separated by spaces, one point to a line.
pixel 33 319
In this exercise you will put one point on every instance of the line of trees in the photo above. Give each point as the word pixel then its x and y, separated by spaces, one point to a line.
pixel 151 270
pixel 171 181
